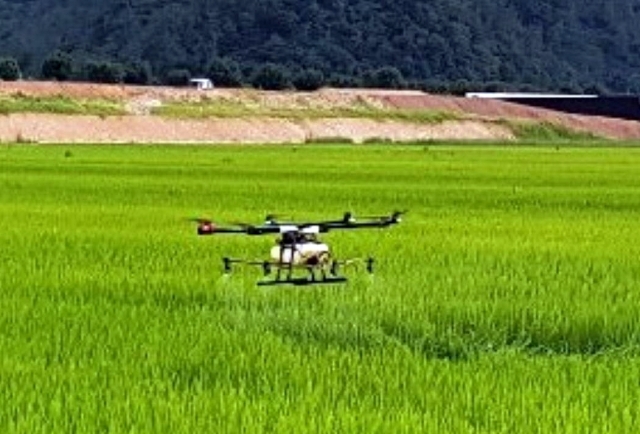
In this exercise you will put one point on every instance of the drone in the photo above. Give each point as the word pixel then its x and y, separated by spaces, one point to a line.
pixel 298 248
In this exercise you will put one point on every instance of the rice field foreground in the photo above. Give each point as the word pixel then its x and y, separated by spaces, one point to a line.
pixel 508 301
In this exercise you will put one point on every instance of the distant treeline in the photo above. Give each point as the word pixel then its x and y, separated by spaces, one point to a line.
pixel 437 45
pixel 61 66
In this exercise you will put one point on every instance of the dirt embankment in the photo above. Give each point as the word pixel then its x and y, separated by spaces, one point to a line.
pixel 496 110
pixel 476 118
pixel 153 129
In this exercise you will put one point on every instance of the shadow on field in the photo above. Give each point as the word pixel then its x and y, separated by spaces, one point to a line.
pixel 459 341
pixel 440 335
pixel 427 345
pixel 348 337
pixel 365 339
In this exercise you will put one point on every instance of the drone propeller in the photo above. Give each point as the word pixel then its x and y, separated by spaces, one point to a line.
pixel 380 217
pixel 199 220
pixel 208 221
pixel 274 219
pixel 205 226
pixel 396 216
pixel 242 225
pixel 348 217
pixel 365 222
pixel 271 217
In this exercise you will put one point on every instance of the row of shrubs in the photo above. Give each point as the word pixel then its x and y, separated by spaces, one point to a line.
pixel 225 72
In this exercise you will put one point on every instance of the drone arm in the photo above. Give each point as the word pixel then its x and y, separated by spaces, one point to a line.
pixel 229 231
pixel 262 230
pixel 358 225
pixel 208 228
pixel 212 230
pixel 348 222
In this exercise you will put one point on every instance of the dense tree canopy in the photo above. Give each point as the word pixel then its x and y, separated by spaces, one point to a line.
pixel 545 44
pixel 9 69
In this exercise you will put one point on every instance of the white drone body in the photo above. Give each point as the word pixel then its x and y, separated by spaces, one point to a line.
pixel 301 252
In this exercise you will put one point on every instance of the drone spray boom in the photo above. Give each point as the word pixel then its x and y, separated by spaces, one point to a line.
pixel 299 248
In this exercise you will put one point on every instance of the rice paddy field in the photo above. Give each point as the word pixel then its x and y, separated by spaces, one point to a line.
pixel 507 301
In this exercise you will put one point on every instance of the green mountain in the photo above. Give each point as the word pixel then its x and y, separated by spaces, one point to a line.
pixel 543 44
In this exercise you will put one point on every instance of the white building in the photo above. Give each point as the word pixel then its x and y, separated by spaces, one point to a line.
pixel 201 83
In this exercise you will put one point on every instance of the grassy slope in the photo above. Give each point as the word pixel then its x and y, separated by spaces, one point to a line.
pixel 60 105
pixel 507 302
pixel 218 108
pixel 531 131
pixel 223 108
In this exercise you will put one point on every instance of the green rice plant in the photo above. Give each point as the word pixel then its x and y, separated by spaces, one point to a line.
pixel 507 301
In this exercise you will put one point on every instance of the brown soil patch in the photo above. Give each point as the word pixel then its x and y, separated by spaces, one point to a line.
pixel 479 116
pixel 151 129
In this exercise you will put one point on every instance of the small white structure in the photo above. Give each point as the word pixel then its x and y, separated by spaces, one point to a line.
pixel 201 83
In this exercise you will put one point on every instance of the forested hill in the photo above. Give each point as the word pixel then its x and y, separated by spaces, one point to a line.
pixel 544 44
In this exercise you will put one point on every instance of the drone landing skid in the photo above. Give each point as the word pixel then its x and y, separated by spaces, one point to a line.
pixel 328 275
pixel 304 281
